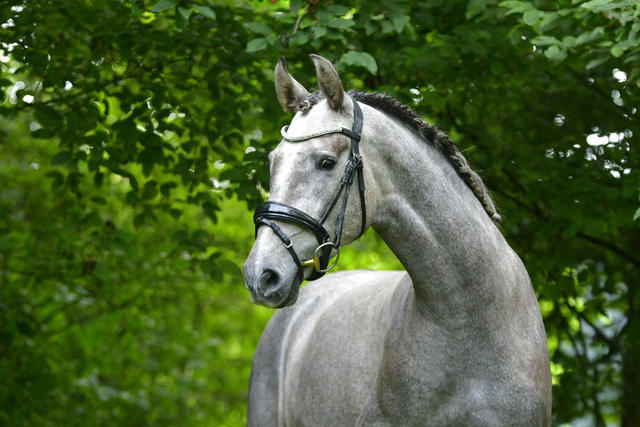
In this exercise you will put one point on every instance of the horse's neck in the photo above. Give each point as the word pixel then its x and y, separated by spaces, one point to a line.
pixel 431 220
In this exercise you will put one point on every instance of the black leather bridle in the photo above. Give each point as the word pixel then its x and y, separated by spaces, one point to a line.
pixel 270 211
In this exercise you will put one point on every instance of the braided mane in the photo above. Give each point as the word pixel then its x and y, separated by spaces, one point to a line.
pixel 441 140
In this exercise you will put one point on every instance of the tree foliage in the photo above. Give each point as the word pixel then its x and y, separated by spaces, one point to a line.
pixel 133 144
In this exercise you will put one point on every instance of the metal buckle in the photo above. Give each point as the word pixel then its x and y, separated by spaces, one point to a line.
pixel 315 261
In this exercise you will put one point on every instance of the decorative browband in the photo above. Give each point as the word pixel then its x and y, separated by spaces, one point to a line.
pixel 286 136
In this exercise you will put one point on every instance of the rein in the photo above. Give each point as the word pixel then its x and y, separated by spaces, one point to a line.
pixel 269 211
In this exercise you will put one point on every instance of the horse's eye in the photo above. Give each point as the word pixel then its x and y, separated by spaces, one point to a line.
pixel 327 164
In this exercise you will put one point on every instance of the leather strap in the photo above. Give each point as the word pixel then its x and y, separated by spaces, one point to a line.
pixel 270 210
pixel 282 212
pixel 287 243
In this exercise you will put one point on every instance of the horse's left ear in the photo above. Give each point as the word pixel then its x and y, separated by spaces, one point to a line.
pixel 329 81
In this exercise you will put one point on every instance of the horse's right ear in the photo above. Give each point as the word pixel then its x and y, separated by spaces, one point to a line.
pixel 290 92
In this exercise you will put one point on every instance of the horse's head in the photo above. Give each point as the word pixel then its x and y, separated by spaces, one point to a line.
pixel 308 216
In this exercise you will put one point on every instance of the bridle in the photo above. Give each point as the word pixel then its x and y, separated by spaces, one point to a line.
pixel 270 211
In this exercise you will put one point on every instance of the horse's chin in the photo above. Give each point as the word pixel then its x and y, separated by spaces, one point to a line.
pixel 292 297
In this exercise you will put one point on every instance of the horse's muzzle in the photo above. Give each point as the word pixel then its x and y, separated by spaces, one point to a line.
pixel 269 286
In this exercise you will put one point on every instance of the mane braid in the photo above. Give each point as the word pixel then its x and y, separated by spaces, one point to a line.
pixel 441 140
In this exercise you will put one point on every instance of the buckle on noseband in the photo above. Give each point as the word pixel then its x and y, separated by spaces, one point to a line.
pixel 270 210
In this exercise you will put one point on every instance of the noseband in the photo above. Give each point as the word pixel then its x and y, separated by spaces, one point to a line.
pixel 269 211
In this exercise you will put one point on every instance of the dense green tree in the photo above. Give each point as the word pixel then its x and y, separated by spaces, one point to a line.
pixel 133 140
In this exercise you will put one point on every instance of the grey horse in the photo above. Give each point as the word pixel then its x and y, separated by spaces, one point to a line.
pixel 456 340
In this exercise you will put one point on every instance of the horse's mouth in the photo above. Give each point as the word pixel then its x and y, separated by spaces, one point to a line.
pixel 292 297
pixel 281 299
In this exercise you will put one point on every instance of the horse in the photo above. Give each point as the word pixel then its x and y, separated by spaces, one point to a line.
pixel 456 340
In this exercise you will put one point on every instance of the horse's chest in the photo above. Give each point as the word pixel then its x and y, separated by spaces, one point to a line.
pixel 411 387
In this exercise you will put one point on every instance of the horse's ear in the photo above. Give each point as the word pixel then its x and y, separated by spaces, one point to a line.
pixel 329 81
pixel 290 92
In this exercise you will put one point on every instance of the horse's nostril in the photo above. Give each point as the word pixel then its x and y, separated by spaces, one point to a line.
pixel 272 279
pixel 270 282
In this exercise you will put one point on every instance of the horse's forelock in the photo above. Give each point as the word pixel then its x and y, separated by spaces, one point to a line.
pixel 308 103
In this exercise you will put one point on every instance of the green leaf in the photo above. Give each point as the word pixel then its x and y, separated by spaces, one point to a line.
pixel 596 33
pixel 101 271
pixel 256 44
pixel 259 27
pixel 185 13
pixel 210 210
pixel 138 221
pixel 398 23
pixel 570 41
pixel 318 32
pixel 545 41
pixel 61 158
pixel 294 6
pixel 361 59
pixel 635 72
pixel 387 27
pixel 338 10
pixel 230 268
pixel 531 17
pixel 204 10
pixel 137 8
pixel 552 51
pixel 163 5
pixel 637 215
pixel 594 4
pixel 547 5
pixel 516 6
pixel 340 23
pixel 25 328
pixel 150 190
pixel 300 38
pixel 616 51
pixel 594 63
pixel 47 116
pixel 99 200
pixel 475 7
pixel 165 188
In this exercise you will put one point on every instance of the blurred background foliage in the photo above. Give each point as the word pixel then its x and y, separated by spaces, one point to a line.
pixel 133 142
